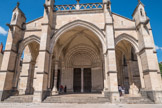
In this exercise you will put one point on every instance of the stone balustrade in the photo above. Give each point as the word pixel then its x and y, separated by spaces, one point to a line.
pixel 72 7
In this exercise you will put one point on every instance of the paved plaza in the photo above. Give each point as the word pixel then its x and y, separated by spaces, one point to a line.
pixel 39 105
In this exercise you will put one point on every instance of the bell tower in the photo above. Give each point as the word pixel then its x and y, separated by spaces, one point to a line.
pixel 148 54
pixel 18 17
pixel 8 69
pixel 139 14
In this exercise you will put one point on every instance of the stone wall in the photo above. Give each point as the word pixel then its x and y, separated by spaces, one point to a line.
pixel 1 56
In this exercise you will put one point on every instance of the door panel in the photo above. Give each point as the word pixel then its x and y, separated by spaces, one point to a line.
pixel 77 80
pixel 87 80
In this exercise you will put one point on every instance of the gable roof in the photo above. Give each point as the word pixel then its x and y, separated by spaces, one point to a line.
pixel 139 3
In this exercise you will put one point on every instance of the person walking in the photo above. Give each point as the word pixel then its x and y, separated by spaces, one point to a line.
pixel 61 88
pixel 65 89
pixel 120 90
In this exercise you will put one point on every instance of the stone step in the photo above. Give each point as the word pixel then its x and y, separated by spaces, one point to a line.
pixel 54 99
pixel 135 100
pixel 19 99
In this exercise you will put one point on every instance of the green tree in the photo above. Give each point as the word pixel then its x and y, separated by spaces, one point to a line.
pixel 160 64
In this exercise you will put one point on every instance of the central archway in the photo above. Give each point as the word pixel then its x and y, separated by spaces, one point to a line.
pixel 77 62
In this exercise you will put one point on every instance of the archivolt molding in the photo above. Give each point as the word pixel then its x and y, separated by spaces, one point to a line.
pixel 128 38
pixel 27 41
pixel 72 38
pixel 74 24
pixel 80 50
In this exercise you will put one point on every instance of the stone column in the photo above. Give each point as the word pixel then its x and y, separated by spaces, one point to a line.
pixel 47 26
pixel 110 53
pixel 130 72
pixel 105 75
pixel 82 80
pixel 17 72
pixel 30 88
pixel 41 81
pixel 9 65
pixel 140 72
pixel 55 91
pixel 26 69
pixel 50 73
pixel 7 74
pixel 152 82
pixel 112 74
pixel 62 73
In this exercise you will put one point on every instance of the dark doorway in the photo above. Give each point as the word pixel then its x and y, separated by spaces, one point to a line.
pixel 58 79
pixel 87 80
pixel 77 80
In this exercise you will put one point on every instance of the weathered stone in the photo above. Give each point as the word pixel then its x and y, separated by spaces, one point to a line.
pixel 87 50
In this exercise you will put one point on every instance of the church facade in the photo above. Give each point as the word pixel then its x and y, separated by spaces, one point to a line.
pixel 85 47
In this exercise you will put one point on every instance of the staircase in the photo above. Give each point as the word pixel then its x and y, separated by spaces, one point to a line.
pixel 19 99
pixel 135 100
pixel 79 98
pixel 83 99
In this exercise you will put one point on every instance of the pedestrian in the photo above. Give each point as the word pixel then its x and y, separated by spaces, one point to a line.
pixel 120 90
pixel 65 89
pixel 61 88
pixel 123 91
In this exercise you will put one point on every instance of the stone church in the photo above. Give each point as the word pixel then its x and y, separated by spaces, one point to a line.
pixel 85 47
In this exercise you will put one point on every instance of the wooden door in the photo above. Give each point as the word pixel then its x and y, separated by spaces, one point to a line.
pixel 87 80
pixel 77 80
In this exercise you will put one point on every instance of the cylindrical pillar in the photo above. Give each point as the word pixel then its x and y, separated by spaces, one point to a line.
pixel 82 80
pixel 55 91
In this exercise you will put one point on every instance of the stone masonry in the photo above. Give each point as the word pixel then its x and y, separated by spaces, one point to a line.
pixel 85 47
pixel 1 54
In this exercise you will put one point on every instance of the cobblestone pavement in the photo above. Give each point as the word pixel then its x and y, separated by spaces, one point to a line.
pixel 42 105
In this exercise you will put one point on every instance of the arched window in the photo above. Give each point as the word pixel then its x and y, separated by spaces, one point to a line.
pixel 14 17
pixel 141 11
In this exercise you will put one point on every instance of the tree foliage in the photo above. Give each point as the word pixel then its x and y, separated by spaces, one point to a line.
pixel 160 64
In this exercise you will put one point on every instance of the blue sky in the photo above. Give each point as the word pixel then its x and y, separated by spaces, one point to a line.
pixel 34 9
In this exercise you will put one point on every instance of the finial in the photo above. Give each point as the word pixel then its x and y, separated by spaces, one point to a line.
pixel 139 1
pixel 78 1
pixel 18 4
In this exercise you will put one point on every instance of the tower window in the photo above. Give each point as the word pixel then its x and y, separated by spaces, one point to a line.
pixel 14 17
pixel 141 11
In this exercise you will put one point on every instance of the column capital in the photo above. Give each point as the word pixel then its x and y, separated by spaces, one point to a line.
pixel 56 61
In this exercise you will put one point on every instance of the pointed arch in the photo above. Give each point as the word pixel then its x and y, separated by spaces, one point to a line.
pixel 74 24
pixel 27 41
pixel 128 38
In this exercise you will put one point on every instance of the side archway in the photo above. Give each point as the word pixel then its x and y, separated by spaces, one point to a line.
pixel 25 64
pixel 129 75
pixel 128 38
pixel 27 41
